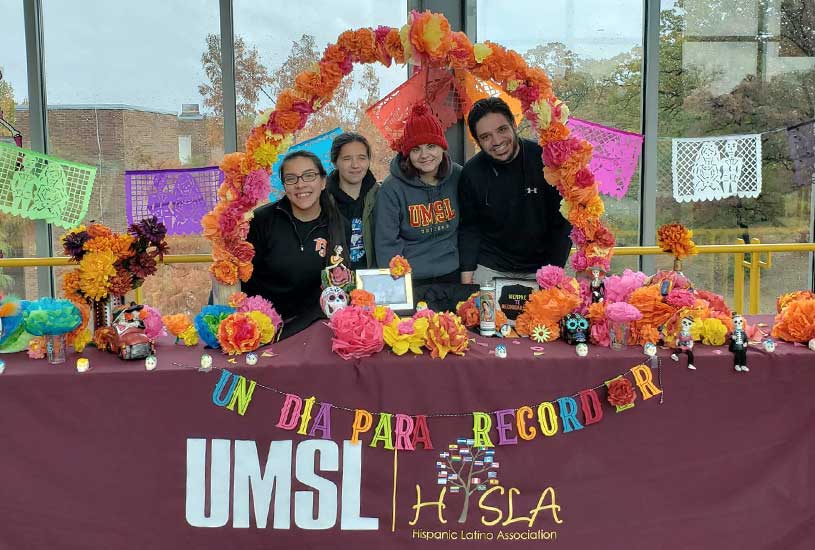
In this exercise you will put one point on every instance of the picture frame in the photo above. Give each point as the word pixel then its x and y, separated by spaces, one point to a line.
pixel 397 294
pixel 512 307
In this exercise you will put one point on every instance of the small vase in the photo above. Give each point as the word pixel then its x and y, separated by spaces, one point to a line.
pixel 55 348
pixel 222 292
pixel 618 333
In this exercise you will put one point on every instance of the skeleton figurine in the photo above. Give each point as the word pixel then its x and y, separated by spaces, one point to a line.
pixel 684 342
pixel 332 300
pixel 738 344
pixel 598 287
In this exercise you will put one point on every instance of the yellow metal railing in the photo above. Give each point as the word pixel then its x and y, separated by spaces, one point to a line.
pixel 755 265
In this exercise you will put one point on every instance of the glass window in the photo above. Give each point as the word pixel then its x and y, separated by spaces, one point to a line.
pixel 731 67
pixel 122 97
pixel 592 51
pixel 272 46
pixel 15 232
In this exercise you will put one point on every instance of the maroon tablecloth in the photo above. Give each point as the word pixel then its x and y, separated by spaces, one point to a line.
pixel 110 458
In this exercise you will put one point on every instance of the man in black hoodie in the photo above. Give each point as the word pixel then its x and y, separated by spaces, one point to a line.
pixel 510 216
pixel 354 189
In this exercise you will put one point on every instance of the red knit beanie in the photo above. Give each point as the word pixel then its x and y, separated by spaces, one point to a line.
pixel 421 127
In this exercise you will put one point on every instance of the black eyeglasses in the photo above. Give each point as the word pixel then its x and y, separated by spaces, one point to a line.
pixel 307 177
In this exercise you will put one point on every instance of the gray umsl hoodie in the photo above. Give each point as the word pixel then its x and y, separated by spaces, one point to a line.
pixel 418 221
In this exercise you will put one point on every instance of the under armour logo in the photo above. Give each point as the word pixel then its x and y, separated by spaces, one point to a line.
pixel 531 190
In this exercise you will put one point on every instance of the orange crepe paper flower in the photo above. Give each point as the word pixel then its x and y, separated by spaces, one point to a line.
pixel 676 239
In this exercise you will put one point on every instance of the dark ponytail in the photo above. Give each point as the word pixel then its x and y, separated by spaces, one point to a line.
pixel 328 207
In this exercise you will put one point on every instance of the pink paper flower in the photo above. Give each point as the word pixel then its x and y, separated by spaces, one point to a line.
pixel 256 186
pixel 558 152
pixel 584 178
pixel 620 287
pixel 579 261
pixel 356 333
pixel 549 276
pixel 679 298
pixel 622 312
pixel 406 326
pixel 600 334
pixel 264 306
pixel 426 313
pixel 153 325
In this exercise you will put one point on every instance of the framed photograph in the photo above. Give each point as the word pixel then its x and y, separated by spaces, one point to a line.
pixel 394 293
pixel 512 295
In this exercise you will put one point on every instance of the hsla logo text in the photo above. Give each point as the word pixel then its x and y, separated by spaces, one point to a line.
pixel 253 487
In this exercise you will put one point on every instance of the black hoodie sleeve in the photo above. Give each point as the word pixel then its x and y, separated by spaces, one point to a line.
pixel 469 237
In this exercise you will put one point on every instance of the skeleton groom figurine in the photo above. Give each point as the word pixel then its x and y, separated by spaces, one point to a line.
pixel 598 287
pixel 738 344
pixel 684 342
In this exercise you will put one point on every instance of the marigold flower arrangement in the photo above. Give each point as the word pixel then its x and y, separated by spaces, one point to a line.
pixel 677 240
pixel 426 40
pixel 795 321
pixel 399 267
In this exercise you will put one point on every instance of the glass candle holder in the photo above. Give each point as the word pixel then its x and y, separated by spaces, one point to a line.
pixel 618 334
pixel 55 348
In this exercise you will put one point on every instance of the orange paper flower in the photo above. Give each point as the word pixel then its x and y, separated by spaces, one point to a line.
pixel 676 239
pixel 177 324
pixel 238 333
pixel 399 267
pixel 446 334
pixel 796 323
pixel 362 298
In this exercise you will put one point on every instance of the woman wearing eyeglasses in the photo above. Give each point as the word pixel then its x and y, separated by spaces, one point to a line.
pixel 294 240
pixel 417 208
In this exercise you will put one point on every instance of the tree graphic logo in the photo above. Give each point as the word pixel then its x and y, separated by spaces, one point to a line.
pixel 464 468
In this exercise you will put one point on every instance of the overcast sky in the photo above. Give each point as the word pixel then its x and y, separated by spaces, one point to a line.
pixel 148 53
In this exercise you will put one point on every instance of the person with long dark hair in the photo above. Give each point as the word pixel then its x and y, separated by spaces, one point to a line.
pixel 417 208
pixel 294 239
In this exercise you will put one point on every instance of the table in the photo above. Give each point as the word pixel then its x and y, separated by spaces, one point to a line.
pixel 119 457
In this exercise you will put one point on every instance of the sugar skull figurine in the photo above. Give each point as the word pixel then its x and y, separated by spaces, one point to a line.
pixel 2 366
pixel 505 331
pixel 684 342
pixel 332 300
pixel 251 359
pixel 769 345
pixel 501 351
pixel 738 344
pixel 812 344
pixel 574 329
pixel 598 287
pixel 582 349
pixel 206 363
pixel 650 351
pixel 150 362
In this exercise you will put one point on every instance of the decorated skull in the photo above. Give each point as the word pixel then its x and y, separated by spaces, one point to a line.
pixel 769 345
pixel 332 300
pixel 582 349
pixel 574 328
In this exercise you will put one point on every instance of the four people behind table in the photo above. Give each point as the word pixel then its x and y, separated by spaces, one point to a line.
pixel 495 217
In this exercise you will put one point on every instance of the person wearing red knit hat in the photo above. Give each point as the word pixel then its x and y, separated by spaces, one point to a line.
pixel 416 214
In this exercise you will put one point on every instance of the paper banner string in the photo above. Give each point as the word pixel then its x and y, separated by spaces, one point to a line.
pixel 615 156
pixel 437 87
pixel 178 198
pixel 714 168
pixel 319 145
pixel 41 187
pixel 433 415
pixel 801 139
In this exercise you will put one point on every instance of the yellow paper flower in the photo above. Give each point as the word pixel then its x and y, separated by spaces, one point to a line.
pixel 482 52
pixel 564 112
pixel 512 85
pixel 565 208
pixel 81 340
pixel 265 325
pixel 404 38
pixel 400 340
pixel 714 333
pixel 265 155
pixel 544 112
pixel 189 336
pixel 95 271
pixel 385 315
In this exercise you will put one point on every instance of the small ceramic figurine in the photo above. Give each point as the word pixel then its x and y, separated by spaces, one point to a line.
pixel 650 351
pixel 582 349
pixel 598 287
pixel 251 359
pixel 2 366
pixel 501 351
pixel 738 344
pixel 574 329
pixel 82 364
pixel 332 300
pixel 421 306
pixel 506 330
pixel 684 342
pixel 769 345
pixel 206 363
pixel 812 344
pixel 150 362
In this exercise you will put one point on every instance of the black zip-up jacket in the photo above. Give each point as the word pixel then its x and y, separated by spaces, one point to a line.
pixel 289 257
pixel 510 215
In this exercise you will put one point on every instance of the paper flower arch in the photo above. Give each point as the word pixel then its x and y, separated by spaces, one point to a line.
pixel 426 40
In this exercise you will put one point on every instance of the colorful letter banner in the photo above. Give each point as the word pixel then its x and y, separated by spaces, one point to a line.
pixel 41 187
pixel 615 156
pixel 319 145
pixel 179 198
pixel 714 168
pixel 801 139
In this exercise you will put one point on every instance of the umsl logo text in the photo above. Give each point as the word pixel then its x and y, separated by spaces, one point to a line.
pixel 251 486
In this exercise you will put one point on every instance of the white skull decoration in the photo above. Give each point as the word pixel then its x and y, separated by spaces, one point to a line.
pixel 812 344
pixel 581 349
pixel 332 300
pixel 151 362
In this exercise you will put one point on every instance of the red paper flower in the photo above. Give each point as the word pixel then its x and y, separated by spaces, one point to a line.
pixel 621 392
pixel 468 313
pixel 356 333
pixel 238 333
